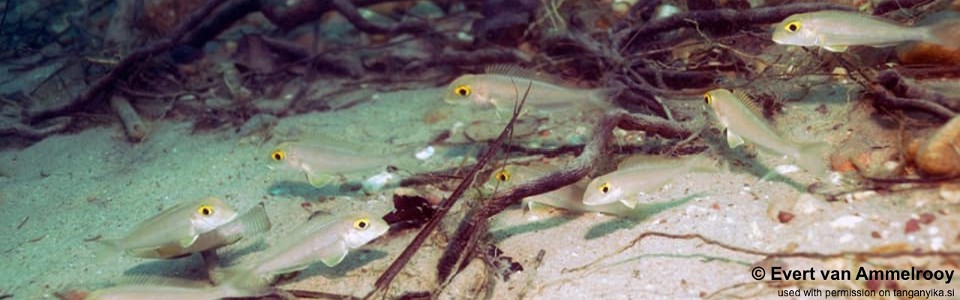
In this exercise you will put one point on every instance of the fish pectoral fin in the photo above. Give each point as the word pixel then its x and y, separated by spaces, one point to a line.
pixel 836 48
pixel 319 180
pixel 630 202
pixel 188 241
pixel 733 140
pixel 334 260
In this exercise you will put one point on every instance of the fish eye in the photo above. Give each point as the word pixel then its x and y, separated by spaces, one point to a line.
pixel 605 188
pixel 503 176
pixel 361 224
pixel 792 26
pixel 278 155
pixel 708 98
pixel 462 90
pixel 205 210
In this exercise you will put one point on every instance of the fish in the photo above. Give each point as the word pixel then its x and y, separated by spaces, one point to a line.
pixel 742 121
pixel 177 227
pixel 153 288
pixel 322 160
pixel 640 175
pixel 568 197
pixel 503 86
pixel 318 239
pixel 255 221
pixel 837 30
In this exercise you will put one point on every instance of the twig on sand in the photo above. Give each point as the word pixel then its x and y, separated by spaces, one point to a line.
pixel 470 229
pixel 893 90
pixel 892 81
pixel 627 38
pixel 34 133
pixel 132 123
pixel 444 207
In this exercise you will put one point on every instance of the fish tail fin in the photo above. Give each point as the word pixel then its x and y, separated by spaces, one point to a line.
pixel 703 163
pixel 945 33
pixel 603 97
pixel 252 222
pixel 810 157
pixel 107 249
pixel 241 281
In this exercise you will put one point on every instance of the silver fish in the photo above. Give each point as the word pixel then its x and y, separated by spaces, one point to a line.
pixel 253 222
pixel 319 239
pixel 502 86
pixel 837 30
pixel 568 197
pixel 177 227
pixel 150 288
pixel 322 160
pixel 641 175
pixel 742 120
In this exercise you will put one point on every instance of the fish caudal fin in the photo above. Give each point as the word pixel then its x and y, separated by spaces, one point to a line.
pixel 254 221
pixel 946 34
pixel 810 157
pixel 241 281
pixel 703 163
pixel 106 250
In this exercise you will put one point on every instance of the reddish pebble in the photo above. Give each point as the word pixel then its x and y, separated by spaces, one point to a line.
pixel 715 206
pixel 305 205
pixel 927 218
pixel 784 217
pixel 912 225
pixel 875 235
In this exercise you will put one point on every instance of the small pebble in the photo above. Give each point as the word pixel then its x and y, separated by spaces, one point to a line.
pixel 784 217
pixel 912 226
pixel 927 218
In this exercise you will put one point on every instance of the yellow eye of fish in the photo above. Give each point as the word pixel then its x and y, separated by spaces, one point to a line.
pixel 462 90
pixel 205 210
pixel 708 98
pixel 503 176
pixel 604 188
pixel 792 26
pixel 361 224
pixel 278 155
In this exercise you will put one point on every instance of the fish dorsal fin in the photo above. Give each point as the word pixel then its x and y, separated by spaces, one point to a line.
pixel 518 71
pixel 748 102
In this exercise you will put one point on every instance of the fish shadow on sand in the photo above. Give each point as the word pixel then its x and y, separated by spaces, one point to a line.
pixel 746 160
pixel 353 261
pixel 649 210
pixel 505 233
pixel 233 253
pixel 303 190
pixel 191 267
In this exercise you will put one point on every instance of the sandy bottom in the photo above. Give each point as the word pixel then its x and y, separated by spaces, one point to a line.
pixel 60 194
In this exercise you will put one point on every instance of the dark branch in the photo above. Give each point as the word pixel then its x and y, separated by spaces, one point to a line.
pixel 103 86
pixel 350 12
pixel 706 18
pixel 471 228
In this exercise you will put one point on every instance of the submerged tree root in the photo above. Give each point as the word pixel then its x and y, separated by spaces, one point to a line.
pixel 473 226
pixel 628 38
